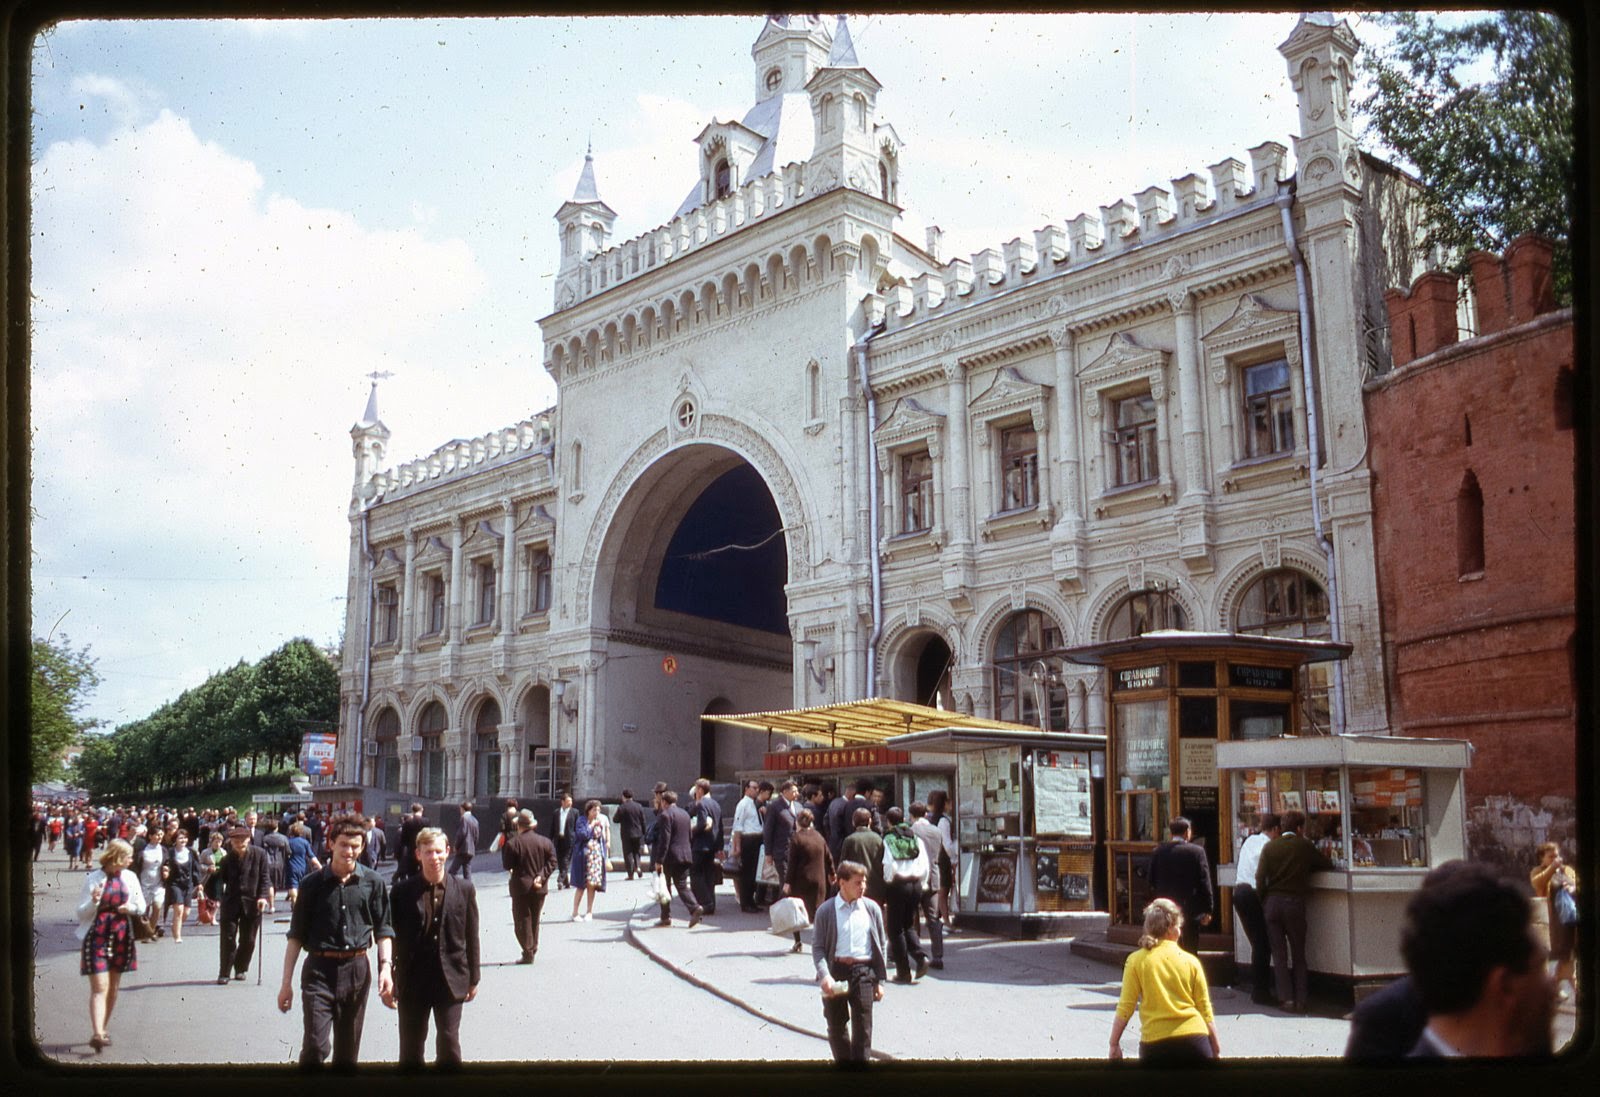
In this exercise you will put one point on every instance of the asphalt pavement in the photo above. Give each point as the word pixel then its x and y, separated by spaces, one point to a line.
pixel 599 986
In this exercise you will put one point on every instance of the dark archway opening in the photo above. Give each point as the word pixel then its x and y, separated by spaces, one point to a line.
pixel 727 560
pixel 933 674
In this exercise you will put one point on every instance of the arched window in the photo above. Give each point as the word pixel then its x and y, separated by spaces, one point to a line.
pixel 1145 611
pixel 1027 671
pixel 486 750
pixel 1469 527
pixel 1286 602
pixel 721 180
pixel 430 725
pixel 883 181
pixel 386 733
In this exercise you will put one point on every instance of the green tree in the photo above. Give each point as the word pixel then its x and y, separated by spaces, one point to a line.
pixel 295 685
pixel 62 681
pixel 1495 155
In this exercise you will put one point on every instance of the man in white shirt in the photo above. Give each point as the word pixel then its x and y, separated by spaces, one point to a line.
pixel 850 948
pixel 1481 971
pixel 747 835
pixel 566 832
pixel 1247 905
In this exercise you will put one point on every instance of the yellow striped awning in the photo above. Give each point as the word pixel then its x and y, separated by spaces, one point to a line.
pixel 870 721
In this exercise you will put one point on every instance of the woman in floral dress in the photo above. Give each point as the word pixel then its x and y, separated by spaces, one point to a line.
pixel 589 857
pixel 111 898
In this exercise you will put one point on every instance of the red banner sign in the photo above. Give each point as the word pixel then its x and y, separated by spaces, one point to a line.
pixel 836 758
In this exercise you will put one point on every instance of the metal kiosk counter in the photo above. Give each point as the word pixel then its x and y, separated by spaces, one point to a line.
pixel 1384 808
pixel 1028 824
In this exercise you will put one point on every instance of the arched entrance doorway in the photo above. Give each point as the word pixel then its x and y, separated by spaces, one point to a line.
pixel 689 602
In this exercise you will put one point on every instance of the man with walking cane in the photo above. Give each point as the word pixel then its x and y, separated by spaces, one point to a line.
pixel 242 886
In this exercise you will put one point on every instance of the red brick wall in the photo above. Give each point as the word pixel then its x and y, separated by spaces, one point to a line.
pixel 1483 657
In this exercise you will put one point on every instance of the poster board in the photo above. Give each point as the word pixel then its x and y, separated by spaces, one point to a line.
pixel 1061 796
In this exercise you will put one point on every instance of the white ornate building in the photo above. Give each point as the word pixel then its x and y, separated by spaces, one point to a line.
pixel 798 456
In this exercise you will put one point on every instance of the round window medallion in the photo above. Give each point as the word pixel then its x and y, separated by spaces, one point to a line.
pixel 774 78
pixel 686 415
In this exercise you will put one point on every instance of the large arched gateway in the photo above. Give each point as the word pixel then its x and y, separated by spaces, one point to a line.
pixel 687 614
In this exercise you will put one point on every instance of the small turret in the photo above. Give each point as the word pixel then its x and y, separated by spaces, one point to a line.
pixel 850 149
pixel 584 222
pixel 369 438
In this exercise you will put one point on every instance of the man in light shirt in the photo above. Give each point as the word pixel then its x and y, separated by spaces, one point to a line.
pixel 747 831
pixel 850 949
pixel 1478 966
pixel 1247 905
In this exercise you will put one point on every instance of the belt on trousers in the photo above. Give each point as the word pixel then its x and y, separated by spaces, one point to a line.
pixel 329 954
pixel 849 961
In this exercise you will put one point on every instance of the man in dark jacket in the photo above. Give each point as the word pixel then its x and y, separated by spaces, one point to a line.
pixel 705 840
pixel 242 886
pixel 674 855
pixel 840 813
pixel 435 953
pixel 530 859
pixel 1283 880
pixel 1179 871
pixel 630 824
pixel 406 855
pixel 783 817
pixel 566 831
pixel 466 842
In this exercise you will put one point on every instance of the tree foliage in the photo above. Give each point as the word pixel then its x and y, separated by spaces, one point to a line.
pixel 1496 156
pixel 62 681
pixel 253 712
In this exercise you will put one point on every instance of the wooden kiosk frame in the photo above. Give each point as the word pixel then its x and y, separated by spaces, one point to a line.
pixel 1173 696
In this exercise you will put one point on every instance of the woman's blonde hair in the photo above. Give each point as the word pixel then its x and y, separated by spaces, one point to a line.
pixel 116 850
pixel 1161 917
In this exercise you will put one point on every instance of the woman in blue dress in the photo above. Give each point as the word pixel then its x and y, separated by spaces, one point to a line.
pixel 589 856
pixel 111 898
pixel 301 859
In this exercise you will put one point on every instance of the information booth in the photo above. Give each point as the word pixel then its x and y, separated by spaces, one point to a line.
pixel 1174 698
pixel 1028 823
pixel 1384 808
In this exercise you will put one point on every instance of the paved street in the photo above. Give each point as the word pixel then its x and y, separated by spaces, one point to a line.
pixel 602 990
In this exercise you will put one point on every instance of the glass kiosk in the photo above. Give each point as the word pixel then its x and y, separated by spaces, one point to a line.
pixel 1175 698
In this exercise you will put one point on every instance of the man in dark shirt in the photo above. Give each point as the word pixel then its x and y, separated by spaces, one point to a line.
pixel 405 857
pixel 435 954
pixel 705 822
pixel 342 908
pixel 630 822
pixel 1179 871
pixel 1283 880
pixel 242 885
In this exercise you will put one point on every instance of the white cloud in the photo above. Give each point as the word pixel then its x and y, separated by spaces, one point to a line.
pixel 124 102
pixel 197 359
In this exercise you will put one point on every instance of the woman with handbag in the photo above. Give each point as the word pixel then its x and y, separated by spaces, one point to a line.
pixel 1555 912
pixel 111 899
pixel 810 868
pixel 150 863
pixel 182 876
pixel 590 855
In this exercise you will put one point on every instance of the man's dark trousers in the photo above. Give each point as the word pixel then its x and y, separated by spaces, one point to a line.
pixel 333 998
pixel 525 913
pixel 461 862
pixel 1247 905
pixel 426 994
pixel 1286 928
pixel 900 912
pixel 239 940
pixel 677 873
pixel 630 855
pixel 749 854
pixel 702 879
pixel 852 1011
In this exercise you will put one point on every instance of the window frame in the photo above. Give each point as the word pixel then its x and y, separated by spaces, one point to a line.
pixel 1018 464
pixel 1277 418
pixel 434 606
pixel 540 578
pixel 1142 438
pixel 486 596
pixel 916 490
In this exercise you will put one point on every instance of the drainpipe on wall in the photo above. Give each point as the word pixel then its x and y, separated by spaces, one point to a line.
pixel 366 650
pixel 859 349
pixel 1285 202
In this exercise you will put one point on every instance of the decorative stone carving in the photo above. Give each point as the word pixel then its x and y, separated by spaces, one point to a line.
pixel 1271 552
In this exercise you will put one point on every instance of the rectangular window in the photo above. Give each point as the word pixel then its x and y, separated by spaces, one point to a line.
pixel 1135 440
pixel 538 579
pixel 486 592
pixel 916 492
pixel 1019 468
pixel 1268 409
pixel 386 628
pixel 433 623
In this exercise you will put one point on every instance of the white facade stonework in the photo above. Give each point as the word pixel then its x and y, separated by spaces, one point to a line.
pixel 1121 407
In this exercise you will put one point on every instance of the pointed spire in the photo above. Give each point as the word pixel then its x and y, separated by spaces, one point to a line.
pixel 843 52
pixel 370 416
pixel 587 192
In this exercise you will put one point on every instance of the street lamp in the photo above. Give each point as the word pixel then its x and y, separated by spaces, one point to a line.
pixel 808 649
pixel 559 688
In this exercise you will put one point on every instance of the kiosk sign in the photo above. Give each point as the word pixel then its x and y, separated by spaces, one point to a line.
pixel 997 878
pixel 1152 677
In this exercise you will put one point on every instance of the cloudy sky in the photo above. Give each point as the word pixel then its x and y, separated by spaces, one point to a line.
pixel 234 222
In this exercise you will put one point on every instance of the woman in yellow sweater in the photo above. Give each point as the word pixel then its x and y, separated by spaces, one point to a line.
pixel 1169 987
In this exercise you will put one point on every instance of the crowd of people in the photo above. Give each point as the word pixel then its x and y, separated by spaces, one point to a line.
pixel 1477 945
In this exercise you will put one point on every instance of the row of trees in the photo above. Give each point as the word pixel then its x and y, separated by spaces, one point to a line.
pixel 63 678
pixel 249 712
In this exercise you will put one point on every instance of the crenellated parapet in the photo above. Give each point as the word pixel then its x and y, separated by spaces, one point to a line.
pixel 463 457
pixel 1156 213
pixel 684 235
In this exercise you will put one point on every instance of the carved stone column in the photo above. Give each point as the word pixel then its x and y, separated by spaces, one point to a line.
pixel 1190 407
